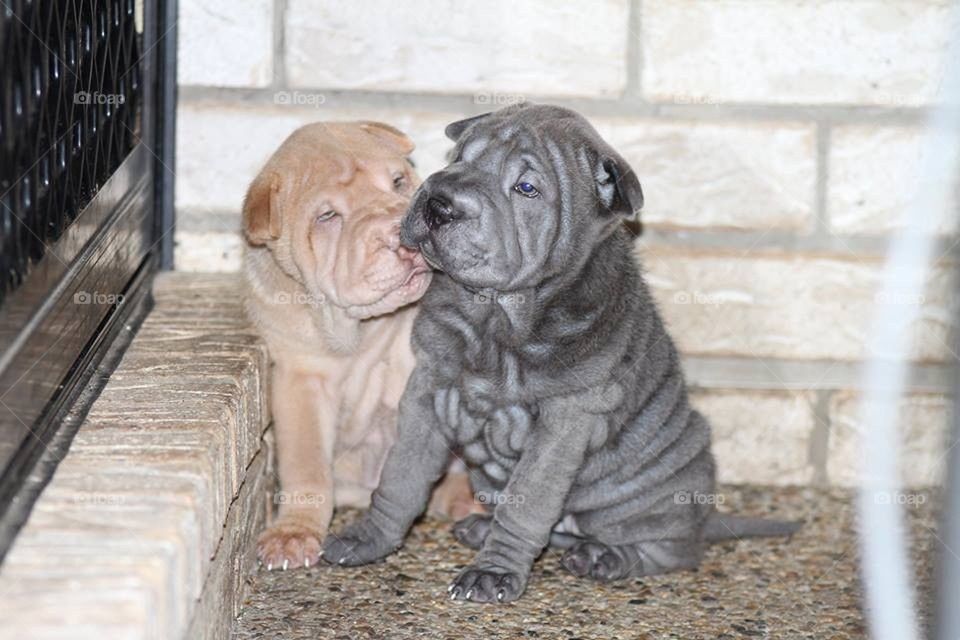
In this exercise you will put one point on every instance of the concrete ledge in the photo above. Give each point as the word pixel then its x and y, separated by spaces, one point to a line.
pixel 223 592
pixel 129 539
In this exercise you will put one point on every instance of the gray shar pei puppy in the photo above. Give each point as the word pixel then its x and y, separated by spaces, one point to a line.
pixel 542 360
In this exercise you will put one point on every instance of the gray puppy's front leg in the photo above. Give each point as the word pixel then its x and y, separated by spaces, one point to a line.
pixel 531 504
pixel 415 462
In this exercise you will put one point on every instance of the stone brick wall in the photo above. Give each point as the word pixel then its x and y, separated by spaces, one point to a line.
pixel 778 143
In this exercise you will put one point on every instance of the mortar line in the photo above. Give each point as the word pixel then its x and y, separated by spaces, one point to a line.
pixel 279 80
pixel 464 103
pixel 820 437
pixel 785 374
pixel 634 66
pixel 720 242
pixel 824 140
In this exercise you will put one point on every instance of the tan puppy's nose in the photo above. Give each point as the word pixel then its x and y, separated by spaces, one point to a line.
pixel 406 254
pixel 385 232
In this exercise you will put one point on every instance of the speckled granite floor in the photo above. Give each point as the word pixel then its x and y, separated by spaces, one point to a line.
pixel 806 587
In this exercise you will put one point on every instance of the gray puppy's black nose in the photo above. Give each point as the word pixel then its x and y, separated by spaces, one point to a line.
pixel 438 212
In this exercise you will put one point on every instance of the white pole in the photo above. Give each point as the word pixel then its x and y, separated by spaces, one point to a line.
pixel 887 579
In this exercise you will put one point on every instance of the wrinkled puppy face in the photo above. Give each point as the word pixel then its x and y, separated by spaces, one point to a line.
pixel 532 189
pixel 328 205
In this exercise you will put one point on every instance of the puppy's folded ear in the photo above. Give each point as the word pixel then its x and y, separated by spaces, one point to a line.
pixel 617 186
pixel 391 136
pixel 261 210
pixel 455 129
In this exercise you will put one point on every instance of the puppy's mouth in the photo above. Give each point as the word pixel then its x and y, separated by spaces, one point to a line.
pixel 429 259
pixel 457 265
pixel 397 278
pixel 407 289
pixel 409 283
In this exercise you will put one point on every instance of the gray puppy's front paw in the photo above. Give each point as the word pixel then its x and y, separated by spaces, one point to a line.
pixel 487 585
pixel 359 543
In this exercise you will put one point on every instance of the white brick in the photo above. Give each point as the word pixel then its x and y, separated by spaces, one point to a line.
pixel 221 148
pixel 876 173
pixel 760 438
pixel 880 52
pixel 922 429
pixel 799 307
pixel 225 44
pixel 733 175
pixel 533 47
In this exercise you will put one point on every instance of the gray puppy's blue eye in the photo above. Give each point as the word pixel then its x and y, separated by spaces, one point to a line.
pixel 526 189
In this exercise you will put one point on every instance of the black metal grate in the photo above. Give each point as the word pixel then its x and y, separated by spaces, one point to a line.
pixel 70 101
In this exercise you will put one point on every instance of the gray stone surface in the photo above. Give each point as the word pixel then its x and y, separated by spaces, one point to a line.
pixel 121 544
pixel 807 587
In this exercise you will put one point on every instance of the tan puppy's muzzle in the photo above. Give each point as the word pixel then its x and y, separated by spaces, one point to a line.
pixel 382 232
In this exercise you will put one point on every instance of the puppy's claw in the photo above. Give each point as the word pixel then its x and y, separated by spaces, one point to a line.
pixel 269 566
pixel 469 595
pixel 306 563
pixel 450 588
pixel 456 593
pixel 286 563
pixel 500 595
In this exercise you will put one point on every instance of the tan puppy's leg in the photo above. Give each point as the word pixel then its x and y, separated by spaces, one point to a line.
pixel 305 423
pixel 453 497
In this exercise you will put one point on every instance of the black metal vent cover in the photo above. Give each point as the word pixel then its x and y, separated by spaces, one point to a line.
pixel 87 107
pixel 69 115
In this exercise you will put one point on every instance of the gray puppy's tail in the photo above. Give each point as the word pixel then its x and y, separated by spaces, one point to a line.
pixel 723 526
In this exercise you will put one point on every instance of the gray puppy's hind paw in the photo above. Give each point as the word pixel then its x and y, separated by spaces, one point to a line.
pixel 595 560
pixel 472 530
pixel 486 585
pixel 357 544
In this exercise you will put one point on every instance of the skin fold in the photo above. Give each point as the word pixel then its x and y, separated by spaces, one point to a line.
pixel 543 362
pixel 330 289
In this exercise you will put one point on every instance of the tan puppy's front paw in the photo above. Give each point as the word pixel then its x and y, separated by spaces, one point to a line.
pixel 288 545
